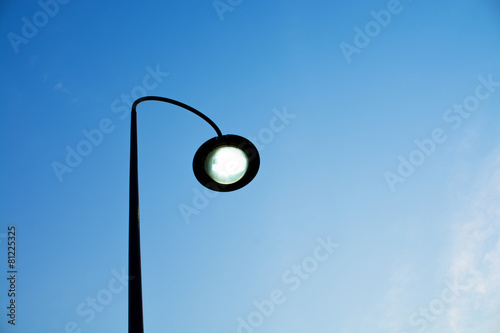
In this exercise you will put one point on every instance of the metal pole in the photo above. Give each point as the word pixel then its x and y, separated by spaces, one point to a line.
pixel 135 317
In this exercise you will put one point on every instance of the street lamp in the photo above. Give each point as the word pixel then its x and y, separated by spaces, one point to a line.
pixel 224 163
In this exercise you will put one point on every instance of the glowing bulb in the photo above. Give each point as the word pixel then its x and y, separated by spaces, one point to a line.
pixel 226 164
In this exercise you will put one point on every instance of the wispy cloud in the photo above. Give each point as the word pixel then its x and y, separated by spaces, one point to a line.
pixel 469 298
pixel 393 304
pixel 61 88
pixel 475 255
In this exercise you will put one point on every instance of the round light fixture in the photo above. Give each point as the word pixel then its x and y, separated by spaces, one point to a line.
pixel 226 163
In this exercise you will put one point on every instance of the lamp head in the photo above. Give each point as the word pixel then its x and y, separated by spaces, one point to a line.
pixel 226 163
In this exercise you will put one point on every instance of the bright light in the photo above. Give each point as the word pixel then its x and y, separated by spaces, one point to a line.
pixel 226 165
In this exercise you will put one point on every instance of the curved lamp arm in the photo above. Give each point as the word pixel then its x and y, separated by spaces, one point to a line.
pixel 182 105
pixel 135 314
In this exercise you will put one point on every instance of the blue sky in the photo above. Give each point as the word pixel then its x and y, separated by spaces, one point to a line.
pixel 376 205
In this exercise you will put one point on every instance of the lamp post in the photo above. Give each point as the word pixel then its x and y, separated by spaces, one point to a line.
pixel 224 163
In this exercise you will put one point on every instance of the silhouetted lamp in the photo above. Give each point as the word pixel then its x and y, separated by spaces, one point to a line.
pixel 224 163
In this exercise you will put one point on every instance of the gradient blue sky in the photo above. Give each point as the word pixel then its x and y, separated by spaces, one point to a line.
pixel 420 255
